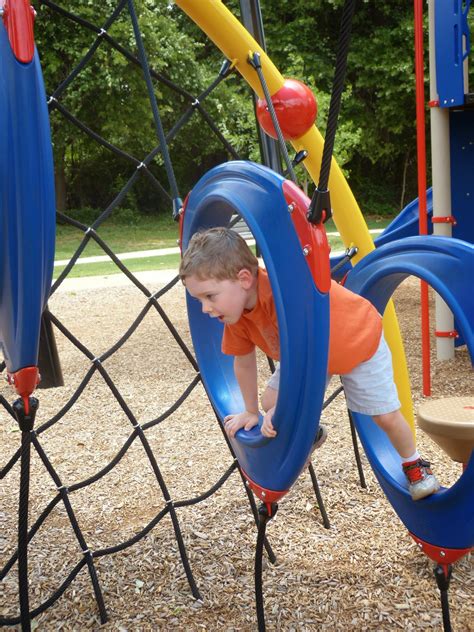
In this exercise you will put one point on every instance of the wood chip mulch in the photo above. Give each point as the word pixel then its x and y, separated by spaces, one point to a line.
pixel 364 573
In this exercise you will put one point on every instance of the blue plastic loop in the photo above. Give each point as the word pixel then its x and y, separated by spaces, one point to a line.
pixel 255 192
pixel 27 218
pixel 445 519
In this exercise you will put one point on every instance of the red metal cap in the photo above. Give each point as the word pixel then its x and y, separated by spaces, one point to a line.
pixel 25 380
pixel 268 496
pixel 441 555
pixel 18 17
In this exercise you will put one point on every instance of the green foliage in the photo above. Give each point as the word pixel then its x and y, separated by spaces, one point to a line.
pixel 376 133
pixel 122 216
pixel 109 96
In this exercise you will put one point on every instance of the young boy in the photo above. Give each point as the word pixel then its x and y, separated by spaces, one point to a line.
pixel 219 270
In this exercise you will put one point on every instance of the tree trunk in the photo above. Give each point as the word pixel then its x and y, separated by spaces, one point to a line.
pixel 60 182
pixel 404 179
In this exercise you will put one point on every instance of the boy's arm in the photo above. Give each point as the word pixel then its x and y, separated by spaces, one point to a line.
pixel 245 369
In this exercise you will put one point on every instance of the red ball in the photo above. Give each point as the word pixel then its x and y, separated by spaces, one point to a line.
pixel 295 107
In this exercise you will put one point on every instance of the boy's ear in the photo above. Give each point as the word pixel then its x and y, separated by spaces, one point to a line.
pixel 245 277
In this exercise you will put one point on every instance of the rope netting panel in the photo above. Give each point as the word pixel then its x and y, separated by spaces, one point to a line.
pixel 32 442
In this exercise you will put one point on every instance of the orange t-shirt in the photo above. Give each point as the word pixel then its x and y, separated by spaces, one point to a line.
pixel 355 328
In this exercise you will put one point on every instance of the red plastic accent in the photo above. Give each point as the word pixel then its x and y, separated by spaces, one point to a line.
pixel 268 496
pixel 441 555
pixel 434 103
pixel 295 107
pixel 447 219
pixel 344 279
pixel 446 334
pixel 312 236
pixel 19 17
pixel 421 169
pixel 25 381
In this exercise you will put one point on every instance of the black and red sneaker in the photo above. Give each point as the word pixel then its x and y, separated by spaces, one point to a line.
pixel 421 480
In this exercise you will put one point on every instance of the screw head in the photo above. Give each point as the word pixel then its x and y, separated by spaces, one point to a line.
pixel 291 208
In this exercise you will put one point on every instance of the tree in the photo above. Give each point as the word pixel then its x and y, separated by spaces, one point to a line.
pixel 109 96
pixel 376 133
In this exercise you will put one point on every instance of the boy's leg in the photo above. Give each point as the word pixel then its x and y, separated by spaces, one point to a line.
pixel 270 394
pixel 399 432
pixel 421 480
pixel 370 390
pixel 269 400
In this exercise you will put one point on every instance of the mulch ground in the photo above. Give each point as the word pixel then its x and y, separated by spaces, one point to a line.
pixel 364 573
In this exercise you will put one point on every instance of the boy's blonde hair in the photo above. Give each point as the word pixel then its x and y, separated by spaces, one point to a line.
pixel 217 253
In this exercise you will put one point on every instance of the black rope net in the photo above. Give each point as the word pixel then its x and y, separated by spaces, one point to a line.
pixel 128 425
pixel 62 482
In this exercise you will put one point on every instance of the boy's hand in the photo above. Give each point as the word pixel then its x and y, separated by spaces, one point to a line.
pixel 267 427
pixel 244 420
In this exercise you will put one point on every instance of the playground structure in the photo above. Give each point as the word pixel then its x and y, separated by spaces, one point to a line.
pixel 341 198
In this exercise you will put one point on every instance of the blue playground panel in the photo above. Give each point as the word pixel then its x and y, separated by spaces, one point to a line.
pixel 27 220
pixel 405 224
pixel 445 519
pixel 461 124
pixel 451 29
pixel 255 192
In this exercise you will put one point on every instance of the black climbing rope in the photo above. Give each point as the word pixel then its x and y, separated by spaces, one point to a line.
pixel 320 207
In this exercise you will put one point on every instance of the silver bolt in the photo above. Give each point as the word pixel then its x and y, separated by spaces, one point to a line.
pixel 420 546
pixel 291 208
pixel 247 484
pixel 306 251
pixel 263 494
pixel 442 553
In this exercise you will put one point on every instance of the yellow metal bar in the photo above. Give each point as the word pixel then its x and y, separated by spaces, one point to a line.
pixel 236 43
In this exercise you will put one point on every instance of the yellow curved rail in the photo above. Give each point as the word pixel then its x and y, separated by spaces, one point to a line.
pixel 235 42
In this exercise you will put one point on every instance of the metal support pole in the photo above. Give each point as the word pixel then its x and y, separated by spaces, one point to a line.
pixel 252 20
pixel 441 180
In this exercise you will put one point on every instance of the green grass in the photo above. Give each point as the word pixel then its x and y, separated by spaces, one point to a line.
pixel 149 234
pixel 166 262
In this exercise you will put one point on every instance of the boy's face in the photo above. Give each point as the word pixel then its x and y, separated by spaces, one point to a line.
pixel 224 299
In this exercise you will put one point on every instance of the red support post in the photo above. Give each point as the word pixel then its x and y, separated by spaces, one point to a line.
pixel 421 159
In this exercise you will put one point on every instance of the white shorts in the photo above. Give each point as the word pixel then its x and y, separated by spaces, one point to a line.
pixel 369 388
